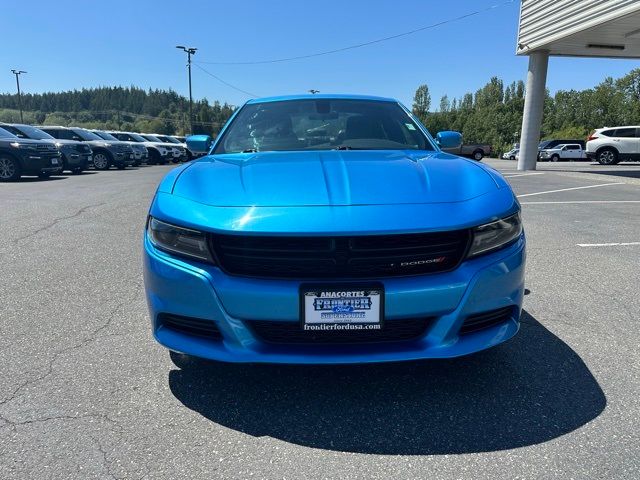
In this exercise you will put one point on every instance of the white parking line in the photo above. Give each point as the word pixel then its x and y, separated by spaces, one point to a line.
pixel 567 189
pixel 522 174
pixel 580 201
pixel 607 244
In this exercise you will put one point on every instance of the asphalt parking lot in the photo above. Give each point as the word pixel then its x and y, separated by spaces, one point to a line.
pixel 86 393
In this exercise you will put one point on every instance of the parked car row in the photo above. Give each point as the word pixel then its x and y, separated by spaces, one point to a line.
pixel 52 150
pixel 607 146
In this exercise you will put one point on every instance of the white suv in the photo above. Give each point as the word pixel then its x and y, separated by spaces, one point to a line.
pixel 612 145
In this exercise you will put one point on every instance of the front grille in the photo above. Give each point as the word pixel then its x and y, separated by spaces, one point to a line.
pixel 190 325
pixel 484 320
pixel 292 332
pixel 345 257
pixel 46 147
pixel 82 148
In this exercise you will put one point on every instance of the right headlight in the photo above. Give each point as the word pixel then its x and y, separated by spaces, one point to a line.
pixel 495 235
pixel 178 240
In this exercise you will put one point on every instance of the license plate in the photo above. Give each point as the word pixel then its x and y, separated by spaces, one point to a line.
pixel 342 307
pixel 54 161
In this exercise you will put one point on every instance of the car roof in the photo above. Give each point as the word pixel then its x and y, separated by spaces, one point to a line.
pixel 317 96
pixel 615 128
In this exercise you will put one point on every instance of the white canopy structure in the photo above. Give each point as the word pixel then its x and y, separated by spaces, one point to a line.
pixel 575 28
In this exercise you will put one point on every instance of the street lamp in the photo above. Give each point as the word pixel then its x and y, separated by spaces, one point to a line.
pixel 189 51
pixel 17 73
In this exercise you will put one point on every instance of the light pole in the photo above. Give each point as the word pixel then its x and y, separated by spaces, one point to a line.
pixel 190 51
pixel 17 73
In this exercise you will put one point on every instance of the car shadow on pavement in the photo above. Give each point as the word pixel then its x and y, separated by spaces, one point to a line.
pixel 617 173
pixel 530 390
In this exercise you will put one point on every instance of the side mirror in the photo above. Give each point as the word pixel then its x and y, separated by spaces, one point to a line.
pixel 199 143
pixel 449 140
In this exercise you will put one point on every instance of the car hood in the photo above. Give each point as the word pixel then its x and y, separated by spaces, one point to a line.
pixel 158 144
pixel 332 178
pixel 61 141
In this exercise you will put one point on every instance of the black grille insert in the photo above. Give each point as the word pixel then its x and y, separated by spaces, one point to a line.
pixel 292 332
pixel 191 326
pixel 344 257
pixel 484 320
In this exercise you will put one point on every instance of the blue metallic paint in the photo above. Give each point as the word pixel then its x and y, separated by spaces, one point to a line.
pixel 300 193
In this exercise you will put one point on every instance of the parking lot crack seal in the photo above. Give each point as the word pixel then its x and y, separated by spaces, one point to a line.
pixel 56 221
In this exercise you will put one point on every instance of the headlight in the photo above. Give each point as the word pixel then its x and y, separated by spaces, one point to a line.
pixel 182 241
pixel 495 235
pixel 24 146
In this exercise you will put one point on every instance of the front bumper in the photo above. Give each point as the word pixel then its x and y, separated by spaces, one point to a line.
pixel 36 163
pixel 591 155
pixel 73 160
pixel 179 287
pixel 123 158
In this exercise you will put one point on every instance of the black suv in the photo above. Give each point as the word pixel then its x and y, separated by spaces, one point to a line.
pixel 76 156
pixel 105 152
pixel 26 157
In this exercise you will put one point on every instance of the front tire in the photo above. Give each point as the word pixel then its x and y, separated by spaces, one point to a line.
pixel 9 169
pixel 478 155
pixel 555 158
pixel 182 360
pixel 101 161
pixel 607 156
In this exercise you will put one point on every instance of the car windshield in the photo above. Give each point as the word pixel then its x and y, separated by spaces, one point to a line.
pixel 136 137
pixel 322 124
pixel 170 140
pixel 85 134
pixel 5 134
pixel 105 135
pixel 151 138
pixel 34 133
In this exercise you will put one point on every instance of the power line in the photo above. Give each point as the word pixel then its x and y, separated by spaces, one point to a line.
pixel 226 83
pixel 364 44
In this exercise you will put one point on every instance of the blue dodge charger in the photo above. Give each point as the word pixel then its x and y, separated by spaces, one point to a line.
pixel 332 229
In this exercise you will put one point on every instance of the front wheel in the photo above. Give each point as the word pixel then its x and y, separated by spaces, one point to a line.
pixel 182 360
pixel 607 156
pixel 478 155
pixel 101 161
pixel 76 171
pixel 555 158
pixel 9 169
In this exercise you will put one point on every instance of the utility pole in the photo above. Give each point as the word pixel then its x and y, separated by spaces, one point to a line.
pixel 17 73
pixel 189 51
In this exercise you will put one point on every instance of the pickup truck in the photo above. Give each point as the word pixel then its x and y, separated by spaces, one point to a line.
pixel 472 150
pixel 569 152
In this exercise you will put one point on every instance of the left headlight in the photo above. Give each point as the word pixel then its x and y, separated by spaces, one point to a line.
pixel 178 240
pixel 23 146
pixel 495 235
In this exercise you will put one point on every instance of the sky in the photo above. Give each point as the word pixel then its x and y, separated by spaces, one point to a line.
pixel 66 45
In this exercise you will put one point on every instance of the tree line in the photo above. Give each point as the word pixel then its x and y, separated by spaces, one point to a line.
pixel 117 108
pixel 493 114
